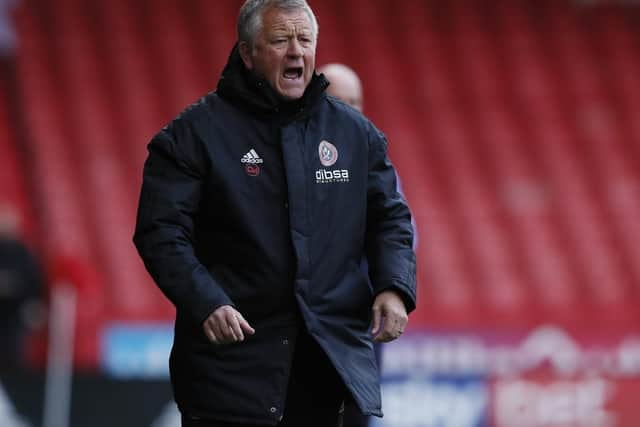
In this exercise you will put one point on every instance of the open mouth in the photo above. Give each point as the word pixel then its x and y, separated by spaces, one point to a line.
pixel 292 73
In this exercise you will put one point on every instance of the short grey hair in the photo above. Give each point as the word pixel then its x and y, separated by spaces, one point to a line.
pixel 250 17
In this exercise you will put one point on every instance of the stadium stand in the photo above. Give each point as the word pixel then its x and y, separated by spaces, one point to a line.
pixel 514 126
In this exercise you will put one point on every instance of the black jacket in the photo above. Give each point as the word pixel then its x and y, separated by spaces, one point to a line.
pixel 237 208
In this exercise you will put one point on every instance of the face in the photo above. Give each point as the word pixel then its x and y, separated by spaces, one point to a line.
pixel 345 86
pixel 283 52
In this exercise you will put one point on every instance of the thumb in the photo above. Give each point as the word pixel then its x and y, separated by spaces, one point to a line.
pixel 246 327
pixel 375 322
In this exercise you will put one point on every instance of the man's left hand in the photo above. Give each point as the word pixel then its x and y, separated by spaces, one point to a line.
pixel 389 317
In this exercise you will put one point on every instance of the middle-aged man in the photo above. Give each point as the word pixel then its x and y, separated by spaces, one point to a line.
pixel 258 203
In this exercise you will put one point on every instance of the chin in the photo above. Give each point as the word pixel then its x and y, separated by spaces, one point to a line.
pixel 292 95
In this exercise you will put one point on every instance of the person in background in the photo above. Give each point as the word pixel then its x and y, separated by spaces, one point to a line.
pixel 21 288
pixel 257 204
pixel 344 84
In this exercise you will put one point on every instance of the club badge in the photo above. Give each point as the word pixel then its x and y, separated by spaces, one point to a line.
pixel 328 153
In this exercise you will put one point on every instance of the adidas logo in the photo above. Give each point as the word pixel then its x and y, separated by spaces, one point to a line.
pixel 251 157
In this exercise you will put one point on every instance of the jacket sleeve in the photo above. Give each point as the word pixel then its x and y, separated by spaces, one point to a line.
pixel 389 234
pixel 164 236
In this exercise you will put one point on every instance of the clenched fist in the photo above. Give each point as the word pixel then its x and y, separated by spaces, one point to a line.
pixel 389 317
pixel 226 325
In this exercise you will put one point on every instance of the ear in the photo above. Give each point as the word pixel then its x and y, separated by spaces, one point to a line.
pixel 245 54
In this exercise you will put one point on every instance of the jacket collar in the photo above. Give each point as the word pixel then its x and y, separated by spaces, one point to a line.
pixel 243 89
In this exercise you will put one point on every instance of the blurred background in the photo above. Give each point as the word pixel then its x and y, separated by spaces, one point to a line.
pixel 514 125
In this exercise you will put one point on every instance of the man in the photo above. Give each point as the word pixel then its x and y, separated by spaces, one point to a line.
pixel 257 205
pixel 344 84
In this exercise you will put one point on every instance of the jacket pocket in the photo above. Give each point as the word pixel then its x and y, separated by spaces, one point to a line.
pixel 242 382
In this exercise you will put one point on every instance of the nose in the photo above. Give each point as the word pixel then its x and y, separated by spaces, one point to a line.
pixel 295 48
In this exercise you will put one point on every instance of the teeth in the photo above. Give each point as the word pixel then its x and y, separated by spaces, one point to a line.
pixel 292 73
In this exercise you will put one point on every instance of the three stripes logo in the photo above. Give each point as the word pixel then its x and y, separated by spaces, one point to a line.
pixel 251 160
pixel 251 157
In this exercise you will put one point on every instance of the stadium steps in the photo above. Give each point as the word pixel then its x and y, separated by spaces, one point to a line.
pixel 513 125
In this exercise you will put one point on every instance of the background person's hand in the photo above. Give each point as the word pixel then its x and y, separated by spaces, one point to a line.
pixel 389 317
pixel 226 325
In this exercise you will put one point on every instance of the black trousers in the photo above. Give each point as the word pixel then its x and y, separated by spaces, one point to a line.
pixel 315 396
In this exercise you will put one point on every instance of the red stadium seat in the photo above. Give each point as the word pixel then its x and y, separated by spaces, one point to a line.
pixel 513 126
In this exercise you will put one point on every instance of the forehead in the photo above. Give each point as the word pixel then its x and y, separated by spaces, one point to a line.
pixel 344 89
pixel 275 19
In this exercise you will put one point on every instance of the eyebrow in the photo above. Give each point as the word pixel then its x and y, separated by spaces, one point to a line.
pixel 281 32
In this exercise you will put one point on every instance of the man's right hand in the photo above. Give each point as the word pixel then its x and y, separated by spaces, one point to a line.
pixel 226 325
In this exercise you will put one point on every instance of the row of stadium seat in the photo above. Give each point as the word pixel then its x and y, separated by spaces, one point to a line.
pixel 514 126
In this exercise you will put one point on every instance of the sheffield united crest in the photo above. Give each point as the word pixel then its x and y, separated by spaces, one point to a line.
pixel 328 153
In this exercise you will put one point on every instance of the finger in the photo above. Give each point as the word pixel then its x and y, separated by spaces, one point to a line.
pixel 232 334
pixel 224 325
pixel 217 331
pixel 386 334
pixel 400 324
pixel 245 325
pixel 208 331
pixel 235 327
pixel 227 326
pixel 396 318
pixel 392 329
pixel 227 331
pixel 401 320
pixel 376 320
pixel 383 336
